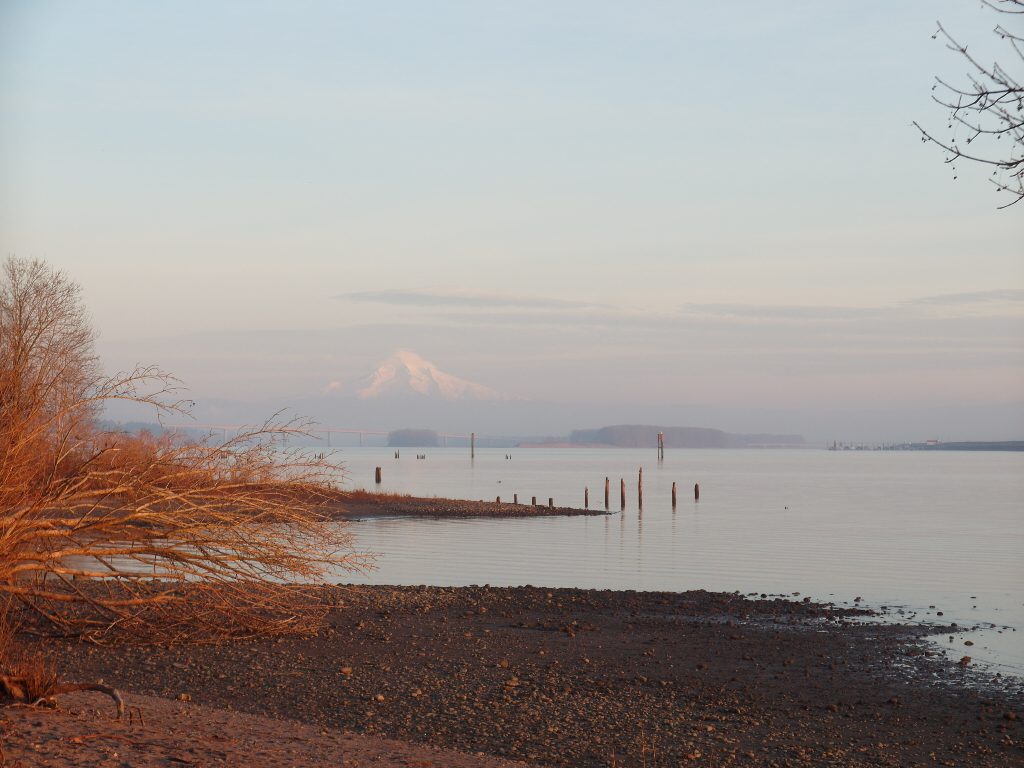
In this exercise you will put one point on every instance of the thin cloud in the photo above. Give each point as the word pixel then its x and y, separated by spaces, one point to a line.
pixel 1001 295
pixel 460 300
pixel 584 319
pixel 781 311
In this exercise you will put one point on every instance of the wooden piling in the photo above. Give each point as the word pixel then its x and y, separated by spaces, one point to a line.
pixel 472 445
pixel 376 476
pixel 640 489
pixel 606 494
pixel 622 493
pixel 551 502
pixel 515 498
pixel 673 495
pixel 586 498
pixel 661 446
pixel 497 501
pixel 696 491
pixel 534 501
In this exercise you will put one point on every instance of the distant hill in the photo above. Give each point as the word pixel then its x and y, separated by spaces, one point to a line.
pixel 646 436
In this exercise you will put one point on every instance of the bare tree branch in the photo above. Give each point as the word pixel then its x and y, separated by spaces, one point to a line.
pixel 990 107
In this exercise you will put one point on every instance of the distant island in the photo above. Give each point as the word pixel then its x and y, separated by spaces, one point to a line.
pixel 646 436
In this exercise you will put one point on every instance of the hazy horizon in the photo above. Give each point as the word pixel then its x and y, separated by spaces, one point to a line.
pixel 683 214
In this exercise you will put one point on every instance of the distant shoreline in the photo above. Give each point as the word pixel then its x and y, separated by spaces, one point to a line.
pixel 995 445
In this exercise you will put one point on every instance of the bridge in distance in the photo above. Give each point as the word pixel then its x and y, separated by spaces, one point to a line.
pixel 325 433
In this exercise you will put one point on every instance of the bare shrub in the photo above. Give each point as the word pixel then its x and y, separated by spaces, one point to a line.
pixel 161 538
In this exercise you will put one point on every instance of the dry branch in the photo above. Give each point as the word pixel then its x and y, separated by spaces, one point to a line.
pixel 106 532
pixel 988 108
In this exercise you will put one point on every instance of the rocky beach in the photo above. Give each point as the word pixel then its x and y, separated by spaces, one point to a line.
pixel 559 677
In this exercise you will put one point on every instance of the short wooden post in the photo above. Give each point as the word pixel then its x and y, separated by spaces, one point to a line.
pixel 376 476
pixel 696 491
pixel 622 493
pixel 640 489
pixel 497 501
pixel 586 498
pixel 606 494
pixel 673 495
pixel 515 498
pixel 551 502
pixel 534 501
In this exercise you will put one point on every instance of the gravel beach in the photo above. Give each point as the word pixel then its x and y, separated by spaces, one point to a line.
pixel 560 677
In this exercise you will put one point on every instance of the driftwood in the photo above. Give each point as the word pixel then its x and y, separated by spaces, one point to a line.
pixel 21 690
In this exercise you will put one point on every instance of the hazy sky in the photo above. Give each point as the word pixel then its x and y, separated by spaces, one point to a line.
pixel 719 203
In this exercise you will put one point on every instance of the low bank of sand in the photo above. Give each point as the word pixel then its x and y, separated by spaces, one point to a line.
pixel 547 676
pixel 366 505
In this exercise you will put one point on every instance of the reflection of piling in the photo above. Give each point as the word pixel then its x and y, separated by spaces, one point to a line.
pixel 622 494
pixel 606 494
pixel 673 495
pixel 586 498
pixel 472 445
pixel 696 491
pixel 376 476
pixel 640 489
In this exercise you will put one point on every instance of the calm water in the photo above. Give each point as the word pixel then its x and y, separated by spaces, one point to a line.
pixel 901 529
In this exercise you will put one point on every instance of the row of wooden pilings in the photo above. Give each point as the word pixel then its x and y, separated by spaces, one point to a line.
pixel 639 493
pixel 586 493
pixel 622 494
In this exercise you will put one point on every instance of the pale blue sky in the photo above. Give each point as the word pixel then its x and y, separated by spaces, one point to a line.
pixel 719 202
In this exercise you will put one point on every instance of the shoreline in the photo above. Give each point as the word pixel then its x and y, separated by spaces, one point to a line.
pixel 579 677
pixel 362 505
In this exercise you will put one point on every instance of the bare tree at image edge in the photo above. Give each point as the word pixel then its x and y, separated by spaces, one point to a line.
pixel 986 113
pixel 103 533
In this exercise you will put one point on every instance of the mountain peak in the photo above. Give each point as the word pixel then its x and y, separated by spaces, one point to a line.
pixel 407 373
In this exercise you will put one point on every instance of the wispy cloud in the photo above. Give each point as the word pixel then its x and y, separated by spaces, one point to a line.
pixel 998 295
pixel 916 317
pixel 458 300
pixel 782 311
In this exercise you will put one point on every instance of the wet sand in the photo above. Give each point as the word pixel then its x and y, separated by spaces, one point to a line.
pixel 552 677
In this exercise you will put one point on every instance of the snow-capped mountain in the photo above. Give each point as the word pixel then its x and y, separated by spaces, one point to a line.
pixel 406 373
